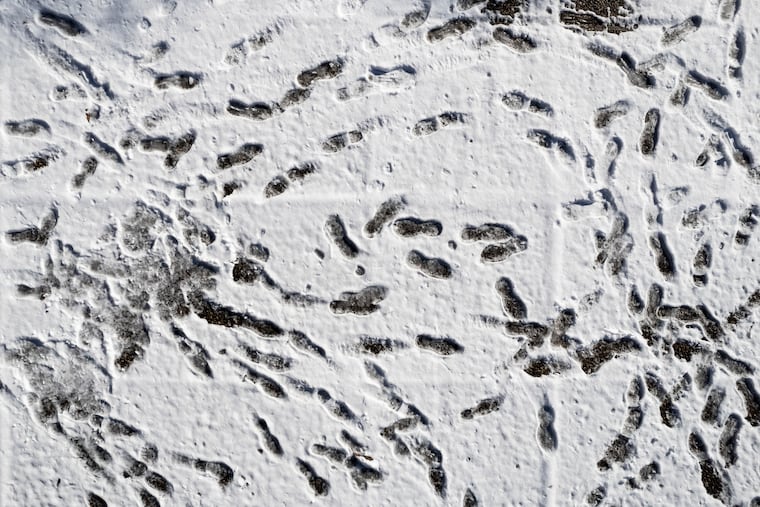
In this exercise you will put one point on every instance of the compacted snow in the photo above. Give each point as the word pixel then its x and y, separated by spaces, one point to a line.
pixel 365 252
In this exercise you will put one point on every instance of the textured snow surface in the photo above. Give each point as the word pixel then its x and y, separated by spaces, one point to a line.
pixel 365 252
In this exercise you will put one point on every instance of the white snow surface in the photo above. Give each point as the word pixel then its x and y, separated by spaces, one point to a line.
pixel 90 275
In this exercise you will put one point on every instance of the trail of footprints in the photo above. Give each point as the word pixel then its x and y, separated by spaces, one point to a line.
pixel 590 358
pixel 70 378
pixel 137 234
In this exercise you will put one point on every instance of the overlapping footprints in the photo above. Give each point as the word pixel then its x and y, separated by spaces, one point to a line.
pixel 714 479
pixel 101 148
pixel 545 433
pixel 342 140
pixel 511 303
pixel 251 273
pixel 503 241
pixel 305 82
pixel 680 31
pixel 615 16
pixel 613 248
pixel 238 52
pixel 451 28
pixel 63 383
pixel 517 100
pixel 361 302
pixel 239 156
pixel 384 213
pixel 296 174
pixel 174 148
pixel 263 110
pixel 483 407
pixel 409 227
pixel 379 80
pixel 516 41
pixel 427 126
pixel 637 77
pixel 325 70
pixel 179 288
pixel 57 59
pixel 38 235
pixel 89 165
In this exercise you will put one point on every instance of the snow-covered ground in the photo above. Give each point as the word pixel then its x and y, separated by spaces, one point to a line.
pixel 365 252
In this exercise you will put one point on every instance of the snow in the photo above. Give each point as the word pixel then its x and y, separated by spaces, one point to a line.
pixel 472 129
